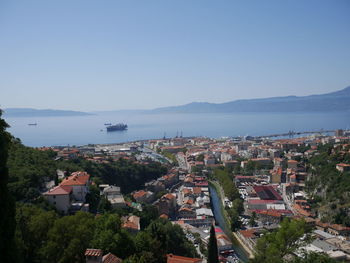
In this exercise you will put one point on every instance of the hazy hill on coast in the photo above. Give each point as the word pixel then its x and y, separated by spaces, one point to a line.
pixel 334 101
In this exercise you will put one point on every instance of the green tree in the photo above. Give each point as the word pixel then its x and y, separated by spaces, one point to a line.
pixel 213 256
pixel 7 204
pixel 252 219
pixel 169 238
pixel 93 198
pixel 68 239
pixel 250 167
pixel 104 205
pixel 106 228
pixel 33 224
pixel 148 214
pixel 200 158
pixel 273 247
pixel 234 217
pixel 237 204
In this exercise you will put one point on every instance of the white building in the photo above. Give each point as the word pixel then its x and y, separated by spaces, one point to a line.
pixel 60 197
pixel 79 181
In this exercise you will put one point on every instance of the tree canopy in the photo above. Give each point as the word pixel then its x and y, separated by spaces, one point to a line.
pixel 7 205
pixel 274 246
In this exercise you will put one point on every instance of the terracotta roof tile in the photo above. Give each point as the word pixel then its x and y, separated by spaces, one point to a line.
pixel 77 178
pixel 110 258
pixel 179 259
pixel 59 190
pixel 92 252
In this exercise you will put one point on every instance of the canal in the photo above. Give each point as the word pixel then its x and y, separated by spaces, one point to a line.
pixel 217 208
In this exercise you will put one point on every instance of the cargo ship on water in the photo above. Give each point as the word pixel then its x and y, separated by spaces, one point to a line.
pixel 117 127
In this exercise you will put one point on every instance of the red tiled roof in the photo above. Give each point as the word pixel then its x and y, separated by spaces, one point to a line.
pixel 267 192
pixel 92 252
pixel 185 209
pixel 132 222
pixel 77 178
pixel 110 258
pixel 273 212
pixel 164 216
pixel 300 210
pixel 189 201
pixel 343 164
pixel 249 233
pixel 60 190
pixel 197 190
pixel 139 194
pixel 187 191
pixel 179 259
pixel 169 196
pixel 218 230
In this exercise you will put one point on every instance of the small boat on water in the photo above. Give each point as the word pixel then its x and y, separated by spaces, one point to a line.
pixel 117 127
pixel 32 124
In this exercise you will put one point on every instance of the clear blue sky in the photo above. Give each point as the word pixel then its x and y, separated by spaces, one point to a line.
pixel 105 55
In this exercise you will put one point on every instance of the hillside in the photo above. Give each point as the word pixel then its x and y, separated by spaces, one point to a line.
pixel 29 112
pixel 334 101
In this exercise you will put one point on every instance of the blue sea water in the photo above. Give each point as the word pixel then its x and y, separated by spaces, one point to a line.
pixel 82 130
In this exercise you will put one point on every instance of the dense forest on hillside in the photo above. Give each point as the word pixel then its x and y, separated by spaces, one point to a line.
pixel 128 175
pixel 43 236
pixel 328 187
pixel 30 168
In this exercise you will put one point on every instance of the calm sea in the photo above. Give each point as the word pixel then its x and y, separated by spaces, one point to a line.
pixel 81 130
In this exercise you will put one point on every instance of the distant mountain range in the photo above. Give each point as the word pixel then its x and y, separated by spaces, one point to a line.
pixel 28 112
pixel 330 102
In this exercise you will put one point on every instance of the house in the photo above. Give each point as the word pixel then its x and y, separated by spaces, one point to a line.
pixel 277 161
pixel 93 255
pixel 131 223
pixel 143 196
pixel 186 212
pixel 110 258
pixel 61 197
pixel 206 212
pixel 292 164
pixel 112 193
pixel 179 259
pixel 267 192
pixel 276 175
pixel 343 167
pixel 231 163
pixel 188 182
pixel 155 186
pixel 209 159
pixel 79 181
pixel 167 204
pixel 111 190
pixel 169 179
pixel 262 161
